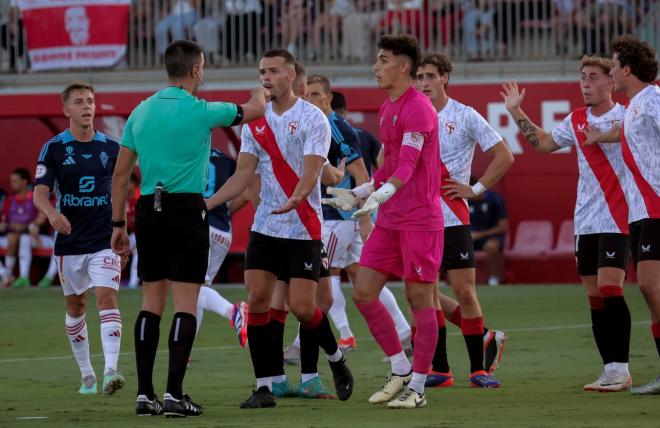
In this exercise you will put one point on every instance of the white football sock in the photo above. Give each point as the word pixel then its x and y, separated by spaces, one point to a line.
pixel 52 268
pixel 133 280
pixel 265 381
pixel 417 382
pixel 24 256
pixel 338 309
pixel 400 364
pixel 214 302
pixel 10 262
pixel 110 337
pixel 402 326
pixel 76 329
pixel 304 377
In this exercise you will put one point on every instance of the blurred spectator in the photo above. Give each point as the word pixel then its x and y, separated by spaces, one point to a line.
pixel 242 29
pixel 369 145
pixel 11 34
pixel 489 225
pixel 405 16
pixel 21 221
pixel 328 20
pixel 478 29
pixel 208 30
pixel 563 22
pixel 294 18
pixel 178 22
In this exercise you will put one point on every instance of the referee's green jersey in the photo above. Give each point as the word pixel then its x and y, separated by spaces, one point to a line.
pixel 171 133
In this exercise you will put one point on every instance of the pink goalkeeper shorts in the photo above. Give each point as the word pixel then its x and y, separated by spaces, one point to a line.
pixel 412 255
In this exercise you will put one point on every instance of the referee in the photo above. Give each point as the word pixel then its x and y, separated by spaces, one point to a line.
pixel 169 133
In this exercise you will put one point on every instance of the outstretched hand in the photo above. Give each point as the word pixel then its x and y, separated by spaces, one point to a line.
pixel 512 97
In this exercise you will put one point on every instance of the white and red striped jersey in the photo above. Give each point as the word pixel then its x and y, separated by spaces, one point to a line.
pixel 601 204
pixel 280 143
pixel 460 128
pixel 640 144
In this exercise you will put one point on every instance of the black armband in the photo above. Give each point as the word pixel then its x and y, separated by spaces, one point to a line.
pixel 239 115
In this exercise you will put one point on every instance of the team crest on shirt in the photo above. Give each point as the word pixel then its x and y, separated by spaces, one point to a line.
pixel 635 111
pixel 394 118
pixel 450 126
pixel 69 150
pixel 380 122
pixel 41 171
pixel 293 126
pixel 104 158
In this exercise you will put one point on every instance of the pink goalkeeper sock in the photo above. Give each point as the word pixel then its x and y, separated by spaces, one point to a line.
pixel 381 326
pixel 425 340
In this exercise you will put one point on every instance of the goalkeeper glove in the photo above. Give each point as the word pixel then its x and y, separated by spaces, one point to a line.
pixel 375 200
pixel 345 199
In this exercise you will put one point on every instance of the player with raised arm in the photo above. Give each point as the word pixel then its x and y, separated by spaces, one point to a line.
pixel 289 147
pixel 408 236
pixel 601 212
pixel 460 129
pixel 78 165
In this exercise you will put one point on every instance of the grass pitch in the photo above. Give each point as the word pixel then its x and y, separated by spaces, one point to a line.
pixel 549 356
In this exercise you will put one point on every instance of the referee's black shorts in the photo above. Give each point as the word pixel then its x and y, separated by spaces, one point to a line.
pixel 286 258
pixel 598 250
pixel 173 243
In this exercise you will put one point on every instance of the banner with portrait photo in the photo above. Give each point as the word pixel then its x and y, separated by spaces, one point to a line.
pixel 75 33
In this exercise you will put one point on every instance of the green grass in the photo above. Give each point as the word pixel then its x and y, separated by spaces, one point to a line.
pixel 550 355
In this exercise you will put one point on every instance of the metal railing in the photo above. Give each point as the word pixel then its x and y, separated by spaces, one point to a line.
pixel 236 32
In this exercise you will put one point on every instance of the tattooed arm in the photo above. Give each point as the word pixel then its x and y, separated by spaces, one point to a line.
pixel 540 140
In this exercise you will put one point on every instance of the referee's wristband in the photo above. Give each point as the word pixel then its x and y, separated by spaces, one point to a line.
pixel 118 223
pixel 478 188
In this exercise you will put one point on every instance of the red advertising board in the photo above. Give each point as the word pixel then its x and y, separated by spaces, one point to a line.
pixel 538 187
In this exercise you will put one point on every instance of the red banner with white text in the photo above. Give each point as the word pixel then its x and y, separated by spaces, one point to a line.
pixel 75 33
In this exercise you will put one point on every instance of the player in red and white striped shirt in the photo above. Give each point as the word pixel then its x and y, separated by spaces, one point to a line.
pixel 635 70
pixel 601 212
pixel 460 129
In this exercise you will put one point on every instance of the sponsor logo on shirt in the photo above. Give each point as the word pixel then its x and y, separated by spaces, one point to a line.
pixel 69 161
pixel 86 184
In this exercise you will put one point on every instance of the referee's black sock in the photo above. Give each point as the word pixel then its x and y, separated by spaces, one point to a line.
pixel 260 341
pixel 277 322
pixel 440 362
pixel 319 326
pixel 182 336
pixel 599 325
pixel 619 323
pixel 147 333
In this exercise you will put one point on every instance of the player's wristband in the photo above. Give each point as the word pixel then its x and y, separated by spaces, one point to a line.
pixel 118 223
pixel 478 188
